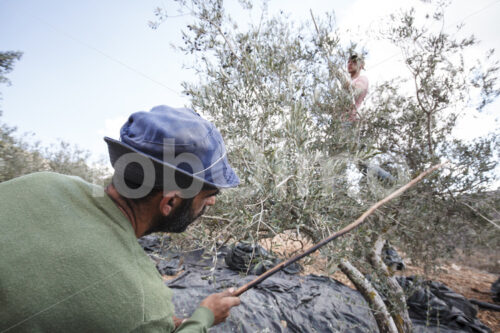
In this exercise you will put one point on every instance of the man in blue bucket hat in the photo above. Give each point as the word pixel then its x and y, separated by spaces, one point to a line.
pixel 80 267
pixel 174 151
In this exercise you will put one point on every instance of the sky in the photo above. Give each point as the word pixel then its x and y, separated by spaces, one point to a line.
pixel 87 65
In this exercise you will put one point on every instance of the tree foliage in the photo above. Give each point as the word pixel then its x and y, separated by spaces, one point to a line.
pixel 416 126
pixel 265 89
pixel 274 89
pixel 7 60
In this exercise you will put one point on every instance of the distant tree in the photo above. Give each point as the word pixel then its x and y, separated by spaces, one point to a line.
pixel 18 156
pixel 7 60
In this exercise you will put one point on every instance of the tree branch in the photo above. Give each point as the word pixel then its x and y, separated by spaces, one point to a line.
pixel 395 293
pixel 337 234
pixel 480 215
pixel 384 320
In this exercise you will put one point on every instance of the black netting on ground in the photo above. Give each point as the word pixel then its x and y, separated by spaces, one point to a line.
pixel 294 303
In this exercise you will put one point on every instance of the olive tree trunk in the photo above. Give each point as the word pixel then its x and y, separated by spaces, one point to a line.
pixel 384 320
pixel 395 294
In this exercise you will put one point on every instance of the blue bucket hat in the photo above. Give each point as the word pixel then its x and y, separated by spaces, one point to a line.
pixel 176 138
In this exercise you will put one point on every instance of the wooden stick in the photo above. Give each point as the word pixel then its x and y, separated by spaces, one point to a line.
pixel 337 234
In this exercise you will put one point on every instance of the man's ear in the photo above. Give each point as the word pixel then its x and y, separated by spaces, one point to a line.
pixel 169 201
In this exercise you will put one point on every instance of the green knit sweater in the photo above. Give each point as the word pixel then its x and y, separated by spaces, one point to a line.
pixel 70 262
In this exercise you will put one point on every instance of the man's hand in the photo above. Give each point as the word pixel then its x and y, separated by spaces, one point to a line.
pixel 177 321
pixel 220 304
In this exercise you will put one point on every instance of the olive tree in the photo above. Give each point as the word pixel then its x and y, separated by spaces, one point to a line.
pixel 275 90
pixel 415 126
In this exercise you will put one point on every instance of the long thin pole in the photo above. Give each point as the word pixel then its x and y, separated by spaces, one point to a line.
pixel 337 234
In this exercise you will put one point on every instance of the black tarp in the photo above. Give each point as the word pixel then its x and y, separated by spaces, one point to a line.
pixel 434 304
pixel 392 258
pixel 282 303
pixel 294 303
pixel 254 259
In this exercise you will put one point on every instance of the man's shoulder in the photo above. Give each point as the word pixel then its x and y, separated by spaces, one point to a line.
pixel 361 79
pixel 47 180
pixel 42 177
pixel 55 177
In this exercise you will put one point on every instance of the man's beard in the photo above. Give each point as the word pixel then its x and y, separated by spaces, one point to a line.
pixel 178 220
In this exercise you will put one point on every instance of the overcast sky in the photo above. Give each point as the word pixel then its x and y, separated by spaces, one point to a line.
pixel 88 64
